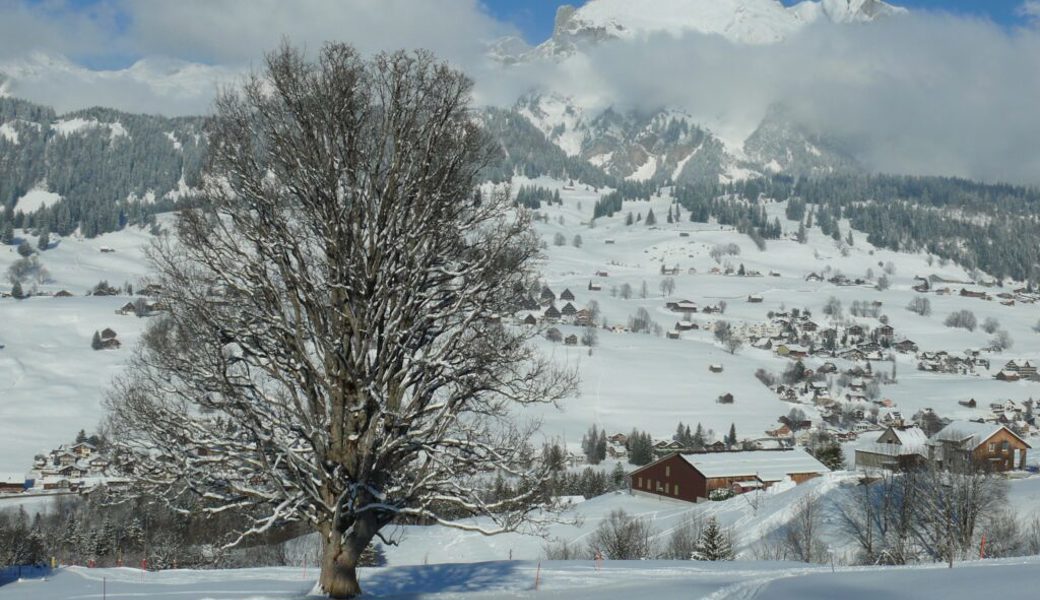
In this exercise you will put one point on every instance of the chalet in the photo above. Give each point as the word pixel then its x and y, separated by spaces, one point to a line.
pixel 568 310
pixel 595 287
pixel 715 368
pixel 886 331
pixel 970 403
pixel 726 398
pixel 567 295
pixel 583 318
pixel 989 445
pixel 72 472
pixel 83 449
pixel 826 368
pixel 667 446
pixel 856 330
pixel 783 431
pixel 683 306
pixel 1025 369
pixel 547 295
pixel 571 340
pixel 966 293
pixel 126 309
pixel 691 477
pixel 672 335
pixel 905 346
pixel 809 326
pixel 11 484
pixel 618 438
pixel 897 448
pixel 107 250
pixel 754 298
pixel 602 274
pixel 530 319
pixel 63 294
pixel 814 277
pixel 552 313
pixel 792 351
pixel 718 446
pixel 686 326
pixel 1006 375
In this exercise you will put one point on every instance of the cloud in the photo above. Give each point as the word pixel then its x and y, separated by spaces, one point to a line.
pixel 928 93
pixel 1030 9
pixel 202 43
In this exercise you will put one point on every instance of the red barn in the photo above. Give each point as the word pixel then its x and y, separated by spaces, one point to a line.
pixel 690 477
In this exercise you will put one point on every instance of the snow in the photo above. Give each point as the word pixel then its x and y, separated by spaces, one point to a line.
pixel 70 126
pixel 767 465
pixel 742 21
pixel 577 580
pixel 67 127
pixel 46 361
pixel 9 133
pixel 645 171
pixel 35 199
pixel 173 140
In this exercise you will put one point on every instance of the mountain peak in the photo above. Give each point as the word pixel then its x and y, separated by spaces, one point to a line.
pixel 740 21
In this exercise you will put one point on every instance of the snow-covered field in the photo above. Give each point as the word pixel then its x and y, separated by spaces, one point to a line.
pixel 54 382
pixel 577 580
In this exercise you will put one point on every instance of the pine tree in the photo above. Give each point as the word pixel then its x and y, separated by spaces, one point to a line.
pixel 16 290
pixel 650 218
pixel 628 219
pixel 713 544
pixel 601 446
pixel 731 439
pixel 95 343
pixel 698 438
pixel 45 239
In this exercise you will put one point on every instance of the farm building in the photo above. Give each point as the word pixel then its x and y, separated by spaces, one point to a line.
pixel 691 477
pixel 896 448
pixel 989 445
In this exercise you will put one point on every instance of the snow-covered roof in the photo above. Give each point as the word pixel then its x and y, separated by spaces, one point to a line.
pixel 911 438
pixel 975 433
pixel 767 465
pixel 12 478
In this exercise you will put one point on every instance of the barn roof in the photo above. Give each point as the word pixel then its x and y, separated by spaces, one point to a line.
pixel 765 464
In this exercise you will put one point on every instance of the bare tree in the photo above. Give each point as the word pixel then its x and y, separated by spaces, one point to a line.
pixel 345 372
pixel 802 533
pixel 920 305
pixel 622 537
pixel 667 286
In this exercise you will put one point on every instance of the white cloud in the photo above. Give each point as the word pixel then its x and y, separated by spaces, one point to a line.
pixel 930 93
pixel 1030 9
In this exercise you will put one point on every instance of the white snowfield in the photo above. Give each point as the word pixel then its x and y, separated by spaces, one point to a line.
pixel 53 383
pixel 572 580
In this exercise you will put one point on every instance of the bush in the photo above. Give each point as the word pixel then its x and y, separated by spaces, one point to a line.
pixel 720 494
pixel 920 305
pixel 962 319
pixel 990 325
pixel 622 537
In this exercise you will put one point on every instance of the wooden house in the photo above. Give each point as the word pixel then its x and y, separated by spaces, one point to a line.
pixel 12 484
pixel 988 445
pixel 691 477
pixel 552 313
pixel 530 319
pixel 897 448
pixel 715 368
pixel 568 310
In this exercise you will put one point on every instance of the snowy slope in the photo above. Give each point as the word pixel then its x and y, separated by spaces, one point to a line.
pixel 578 580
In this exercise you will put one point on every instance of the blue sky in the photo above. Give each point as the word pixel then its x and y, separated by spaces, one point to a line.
pixel 535 17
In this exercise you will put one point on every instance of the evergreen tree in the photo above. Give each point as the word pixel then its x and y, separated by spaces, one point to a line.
pixel 628 219
pixel 698 441
pixel 650 218
pixel 617 476
pixel 16 290
pixel 95 343
pixel 731 439
pixel 713 544
pixel 45 240
pixel 24 249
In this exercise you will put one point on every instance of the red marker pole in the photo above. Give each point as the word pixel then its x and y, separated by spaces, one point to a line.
pixel 537 576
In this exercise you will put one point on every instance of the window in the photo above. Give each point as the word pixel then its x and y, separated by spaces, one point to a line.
pixel 667 471
pixel 639 482
pixel 992 446
pixel 1004 446
pixel 677 489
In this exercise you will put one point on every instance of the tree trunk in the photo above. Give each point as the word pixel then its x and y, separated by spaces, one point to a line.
pixel 338 565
